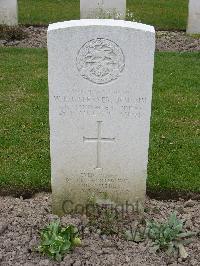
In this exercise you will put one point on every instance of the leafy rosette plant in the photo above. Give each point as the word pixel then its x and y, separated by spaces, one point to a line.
pixel 169 236
pixel 56 241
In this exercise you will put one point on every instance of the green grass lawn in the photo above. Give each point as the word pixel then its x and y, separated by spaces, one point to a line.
pixel 163 14
pixel 25 164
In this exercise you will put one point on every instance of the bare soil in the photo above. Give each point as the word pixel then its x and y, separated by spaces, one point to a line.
pixel 165 40
pixel 22 219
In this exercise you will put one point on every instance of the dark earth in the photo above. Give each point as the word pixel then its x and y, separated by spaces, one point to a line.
pixel 22 219
pixel 165 40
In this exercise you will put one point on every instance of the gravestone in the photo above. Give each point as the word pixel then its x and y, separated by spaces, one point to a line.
pixel 100 90
pixel 8 12
pixel 194 17
pixel 103 9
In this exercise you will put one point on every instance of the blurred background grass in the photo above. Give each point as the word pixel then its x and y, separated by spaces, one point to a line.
pixel 163 14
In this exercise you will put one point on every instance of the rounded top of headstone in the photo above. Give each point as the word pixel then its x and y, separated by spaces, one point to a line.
pixel 101 22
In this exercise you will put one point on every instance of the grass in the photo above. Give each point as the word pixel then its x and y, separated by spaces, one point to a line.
pixel 175 136
pixel 163 14
pixel 25 163
pixel 24 119
pixel 47 11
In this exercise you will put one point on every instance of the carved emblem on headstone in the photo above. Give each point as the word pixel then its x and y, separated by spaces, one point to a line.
pixel 100 61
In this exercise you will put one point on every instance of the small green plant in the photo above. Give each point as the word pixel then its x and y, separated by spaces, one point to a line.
pixel 169 236
pixel 137 234
pixel 195 36
pixel 104 219
pixel 130 16
pixel 57 240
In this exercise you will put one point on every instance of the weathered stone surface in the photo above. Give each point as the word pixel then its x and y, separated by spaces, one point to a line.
pixel 100 89
pixel 194 17
pixel 103 9
pixel 8 12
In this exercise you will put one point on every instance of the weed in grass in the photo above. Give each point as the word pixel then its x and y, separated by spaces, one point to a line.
pixel 131 16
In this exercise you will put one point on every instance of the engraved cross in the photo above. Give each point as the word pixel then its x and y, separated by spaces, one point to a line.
pixel 98 141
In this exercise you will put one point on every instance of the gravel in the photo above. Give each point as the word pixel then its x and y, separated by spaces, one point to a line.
pixel 37 38
pixel 165 40
pixel 22 219
pixel 176 41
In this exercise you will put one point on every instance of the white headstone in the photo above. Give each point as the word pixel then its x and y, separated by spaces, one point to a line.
pixel 100 89
pixel 103 9
pixel 8 12
pixel 194 17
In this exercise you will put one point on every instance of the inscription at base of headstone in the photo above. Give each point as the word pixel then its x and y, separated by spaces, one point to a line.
pixel 8 12
pixel 194 17
pixel 103 9
pixel 100 90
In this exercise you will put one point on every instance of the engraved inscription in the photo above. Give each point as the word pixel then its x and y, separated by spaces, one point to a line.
pixel 98 141
pixel 89 103
pixel 100 182
pixel 4 15
pixel 100 61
